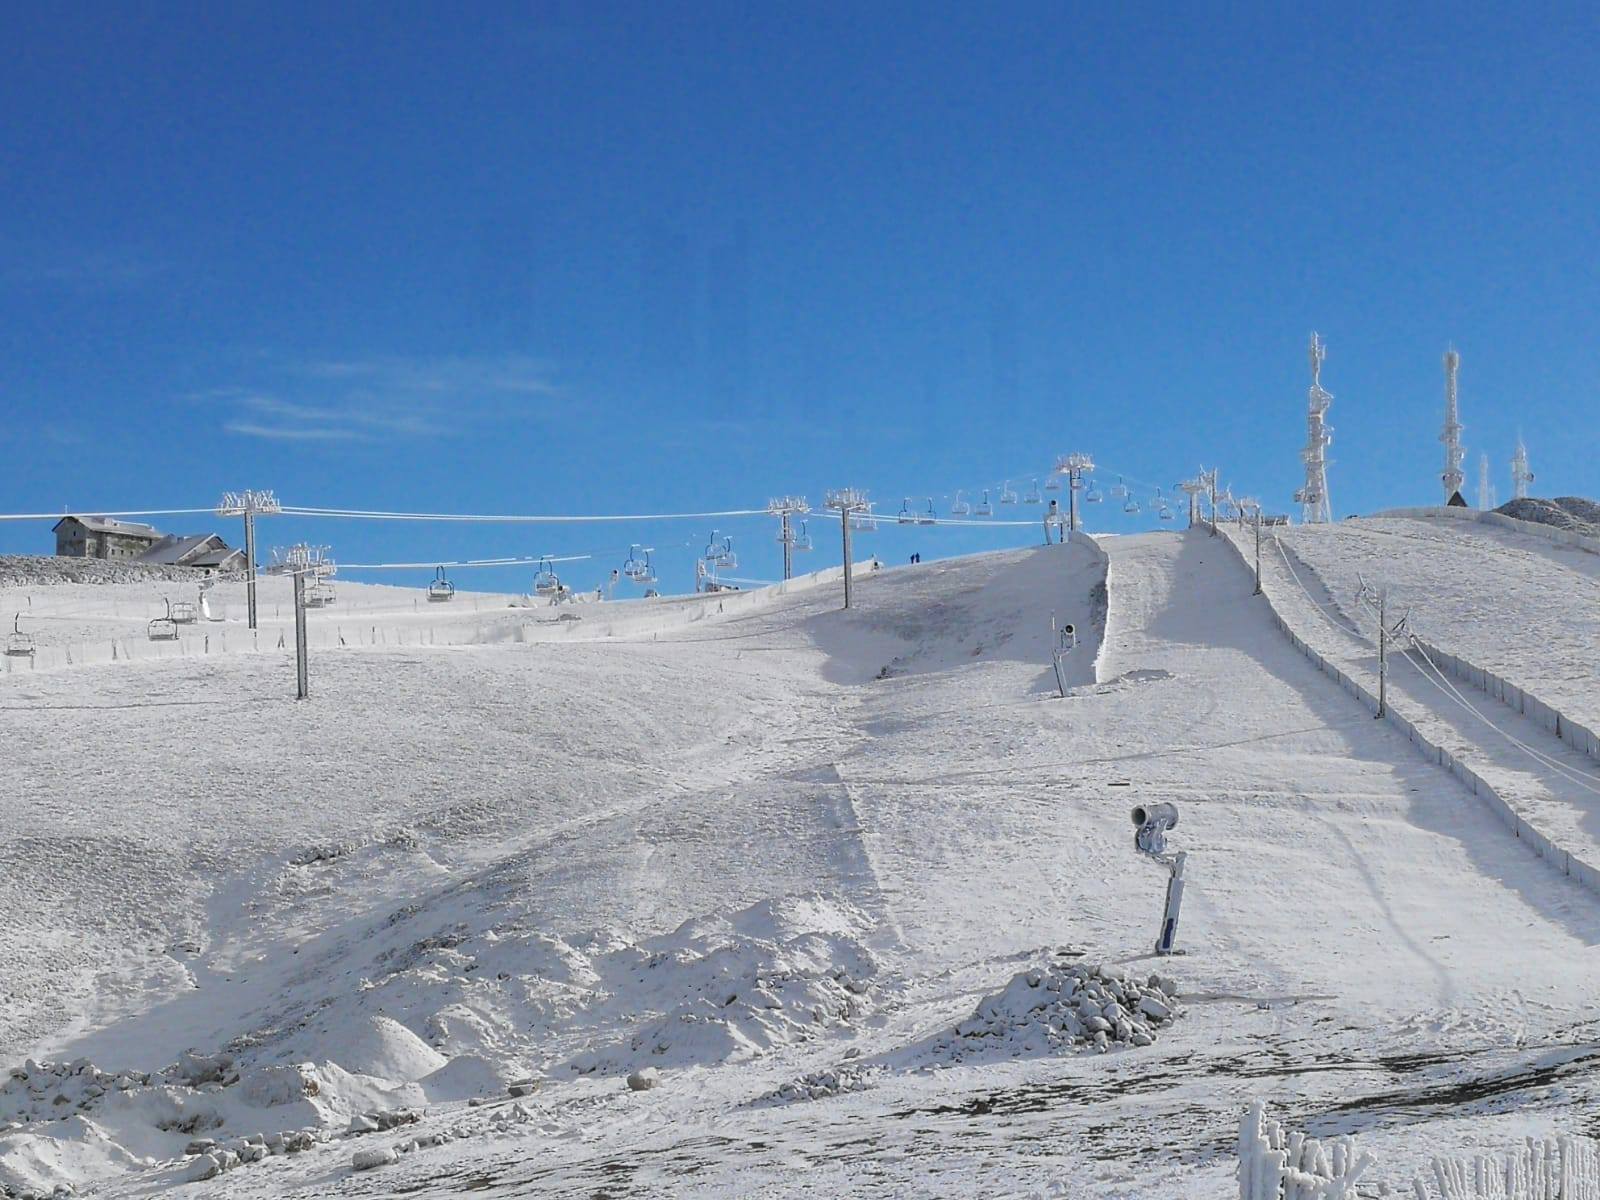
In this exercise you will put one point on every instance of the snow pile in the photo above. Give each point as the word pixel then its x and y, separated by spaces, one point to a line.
pixel 819 1085
pixel 1049 1009
pixel 727 987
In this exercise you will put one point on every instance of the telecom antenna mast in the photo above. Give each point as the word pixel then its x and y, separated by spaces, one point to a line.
pixel 1521 477
pixel 1451 434
pixel 1486 498
pixel 1313 497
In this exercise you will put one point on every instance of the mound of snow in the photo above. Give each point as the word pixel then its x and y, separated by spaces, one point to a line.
pixel 373 1045
pixel 1564 512
pixel 1050 1009
pixel 728 986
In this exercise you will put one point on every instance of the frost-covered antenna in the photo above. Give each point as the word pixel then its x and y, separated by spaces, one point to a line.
pixel 1485 487
pixel 1521 477
pixel 1450 435
pixel 1313 496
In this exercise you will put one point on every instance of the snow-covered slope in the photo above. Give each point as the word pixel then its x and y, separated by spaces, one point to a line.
pixel 808 864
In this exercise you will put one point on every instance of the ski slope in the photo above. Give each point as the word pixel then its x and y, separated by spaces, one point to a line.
pixel 784 843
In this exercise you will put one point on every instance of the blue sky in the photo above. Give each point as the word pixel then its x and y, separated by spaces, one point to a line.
pixel 635 258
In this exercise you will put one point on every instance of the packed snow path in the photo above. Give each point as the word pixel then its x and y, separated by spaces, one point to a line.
pixel 534 856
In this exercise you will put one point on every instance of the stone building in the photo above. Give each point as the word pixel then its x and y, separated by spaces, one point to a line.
pixel 103 537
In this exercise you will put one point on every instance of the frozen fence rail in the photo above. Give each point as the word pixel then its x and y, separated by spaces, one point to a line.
pixel 1555 1168
pixel 1280 1164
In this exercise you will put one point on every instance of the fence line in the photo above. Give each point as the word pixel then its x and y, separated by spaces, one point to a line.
pixel 1560 858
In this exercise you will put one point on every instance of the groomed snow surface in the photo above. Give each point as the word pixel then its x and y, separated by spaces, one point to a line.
pixel 760 897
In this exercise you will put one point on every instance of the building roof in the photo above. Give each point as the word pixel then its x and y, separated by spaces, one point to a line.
pixel 180 550
pixel 111 525
pixel 215 558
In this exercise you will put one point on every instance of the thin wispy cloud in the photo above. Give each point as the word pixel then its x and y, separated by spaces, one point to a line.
pixel 78 269
pixel 381 398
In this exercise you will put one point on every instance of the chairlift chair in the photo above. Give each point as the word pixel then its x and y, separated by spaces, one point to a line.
pixel 928 516
pixel 19 644
pixel 713 548
pixel 545 582
pixel 1119 490
pixel 183 612
pixel 1163 509
pixel 726 556
pixel 1033 496
pixel 906 517
pixel 1130 505
pixel 638 568
pixel 959 507
pixel 802 540
pixel 1053 483
pixel 163 629
pixel 441 589
pixel 864 521
pixel 984 508
pixel 1092 494
pixel 1007 496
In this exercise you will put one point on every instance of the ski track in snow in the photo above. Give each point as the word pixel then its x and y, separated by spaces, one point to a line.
pixel 537 855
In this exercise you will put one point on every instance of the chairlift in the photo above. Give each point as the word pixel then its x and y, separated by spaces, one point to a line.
pixel 638 567
pixel 1033 496
pixel 1163 509
pixel 1092 495
pixel 1130 505
pixel 1119 490
pixel 802 540
pixel 318 594
pixel 441 589
pixel 959 507
pixel 183 612
pixel 906 517
pixel 163 629
pixel 545 582
pixel 726 556
pixel 19 644
pixel 1053 483
pixel 984 508
pixel 864 521
pixel 928 516
pixel 1007 496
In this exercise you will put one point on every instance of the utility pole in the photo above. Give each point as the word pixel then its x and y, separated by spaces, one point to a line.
pixel 1073 466
pixel 848 502
pixel 1378 599
pixel 249 504
pixel 784 508
pixel 300 635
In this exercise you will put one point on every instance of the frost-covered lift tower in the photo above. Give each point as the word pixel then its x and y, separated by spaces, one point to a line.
pixel 1521 477
pixel 1313 496
pixel 1485 485
pixel 1450 435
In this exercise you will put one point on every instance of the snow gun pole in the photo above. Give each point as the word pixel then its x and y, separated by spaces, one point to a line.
pixel 1257 592
pixel 301 691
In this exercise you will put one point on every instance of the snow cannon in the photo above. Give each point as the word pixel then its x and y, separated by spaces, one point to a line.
pixel 1152 822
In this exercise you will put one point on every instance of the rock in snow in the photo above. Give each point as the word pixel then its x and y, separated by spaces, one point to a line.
pixel 643 1081
pixel 375 1156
